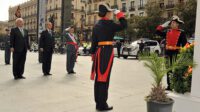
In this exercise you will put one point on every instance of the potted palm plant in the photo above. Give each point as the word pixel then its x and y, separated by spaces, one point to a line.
pixel 157 100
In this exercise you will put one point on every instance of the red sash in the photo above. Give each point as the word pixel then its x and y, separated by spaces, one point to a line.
pixel 102 77
pixel 73 43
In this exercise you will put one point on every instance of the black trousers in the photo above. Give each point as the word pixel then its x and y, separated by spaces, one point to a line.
pixel 71 59
pixel 101 88
pixel 7 55
pixel 19 59
pixel 46 61
pixel 170 56
pixel 101 93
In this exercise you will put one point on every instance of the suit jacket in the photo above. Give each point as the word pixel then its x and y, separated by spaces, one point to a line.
pixel 47 41
pixel 19 42
pixel 69 46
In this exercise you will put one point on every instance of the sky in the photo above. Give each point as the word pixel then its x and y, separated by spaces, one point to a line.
pixel 4 6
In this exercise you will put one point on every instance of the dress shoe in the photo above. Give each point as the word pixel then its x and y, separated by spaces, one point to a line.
pixel 72 72
pixel 22 77
pixel 16 78
pixel 49 74
pixel 45 74
pixel 105 108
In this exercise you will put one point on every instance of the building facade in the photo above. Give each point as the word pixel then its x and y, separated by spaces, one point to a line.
pixel 53 8
pixel 3 26
pixel 169 6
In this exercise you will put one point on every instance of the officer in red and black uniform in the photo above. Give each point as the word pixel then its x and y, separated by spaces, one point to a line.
pixel 102 52
pixel 175 39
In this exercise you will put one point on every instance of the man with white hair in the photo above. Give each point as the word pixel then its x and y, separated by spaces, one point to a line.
pixel 19 43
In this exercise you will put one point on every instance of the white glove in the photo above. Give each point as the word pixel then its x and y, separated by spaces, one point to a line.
pixel 116 11
pixel 166 24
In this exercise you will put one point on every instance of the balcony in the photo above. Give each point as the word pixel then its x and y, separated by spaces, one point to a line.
pixel 169 6
pixel 123 9
pixel 55 9
pixel 78 10
pixel 141 7
pixel 132 9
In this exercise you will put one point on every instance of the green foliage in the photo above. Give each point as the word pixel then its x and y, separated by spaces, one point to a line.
pixel 159 67
pixel 144 26
pixel 187 12
pixel 156 65
pixel 181 78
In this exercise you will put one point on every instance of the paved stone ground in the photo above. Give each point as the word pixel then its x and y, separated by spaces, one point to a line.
pixel 130 82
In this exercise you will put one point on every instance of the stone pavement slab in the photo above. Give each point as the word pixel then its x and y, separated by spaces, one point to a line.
pixel 130 82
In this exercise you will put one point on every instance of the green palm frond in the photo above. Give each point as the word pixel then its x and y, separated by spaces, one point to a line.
pixel 156 65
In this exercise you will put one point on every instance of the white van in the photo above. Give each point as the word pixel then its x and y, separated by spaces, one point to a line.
pixel 133 48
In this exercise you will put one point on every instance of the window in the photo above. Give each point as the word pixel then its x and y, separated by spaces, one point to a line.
pixel 141 13
pixel 161 5
pixel 170 2
pixel 124 7
pixel 150 43
pixel 95 7
pixel 132 4
pixel 141 3
pixel 170 14
pixel 132 15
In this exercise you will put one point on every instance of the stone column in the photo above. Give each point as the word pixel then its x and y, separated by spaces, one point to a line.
pixel 196 73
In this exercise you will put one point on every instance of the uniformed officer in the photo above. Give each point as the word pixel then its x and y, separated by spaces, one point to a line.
pixel 102 52
pixel 175 39
pixel 7 47
pixel 71 49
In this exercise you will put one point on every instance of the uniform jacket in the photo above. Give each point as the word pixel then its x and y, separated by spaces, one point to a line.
pixel 70 47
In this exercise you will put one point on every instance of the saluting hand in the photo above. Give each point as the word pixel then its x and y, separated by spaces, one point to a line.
pixel 166 24
pixel 116 11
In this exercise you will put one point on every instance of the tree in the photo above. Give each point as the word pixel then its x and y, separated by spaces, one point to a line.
pixel 187 11
pixel 144 26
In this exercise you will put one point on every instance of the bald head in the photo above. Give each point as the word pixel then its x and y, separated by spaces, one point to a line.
pixel 19 22
pixel 49 25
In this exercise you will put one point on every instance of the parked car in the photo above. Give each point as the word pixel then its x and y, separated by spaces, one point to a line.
pixel 133 48
pixel 191 40
pixel 34 47
pixel 85 49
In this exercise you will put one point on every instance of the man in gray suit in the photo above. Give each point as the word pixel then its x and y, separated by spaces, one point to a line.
pixel 7 47
pixel 71 47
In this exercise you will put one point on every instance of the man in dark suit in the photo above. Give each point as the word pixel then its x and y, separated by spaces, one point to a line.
pixel 7 47
pixel 19 43
pixel 47 42
pixel 72 48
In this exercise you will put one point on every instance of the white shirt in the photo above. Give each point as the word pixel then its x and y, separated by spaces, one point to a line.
pixel 72 37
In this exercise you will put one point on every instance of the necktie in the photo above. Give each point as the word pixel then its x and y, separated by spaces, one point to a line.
pixel 22 31
pixel 50 32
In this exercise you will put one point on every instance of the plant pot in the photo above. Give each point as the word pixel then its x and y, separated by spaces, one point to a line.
pixel 153 106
